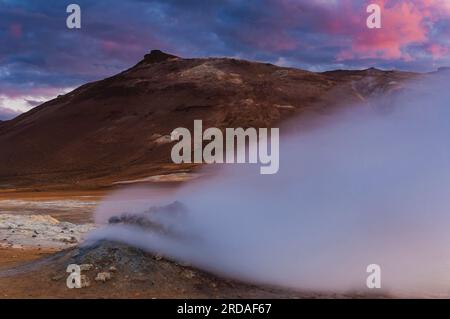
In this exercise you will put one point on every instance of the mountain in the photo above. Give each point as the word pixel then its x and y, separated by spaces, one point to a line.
pixel 117 129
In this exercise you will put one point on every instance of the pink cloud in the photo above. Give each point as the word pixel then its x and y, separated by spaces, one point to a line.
pixel 110 46
pixel 437 51
pixel 407 33
pixel 404 23
pixel 15 30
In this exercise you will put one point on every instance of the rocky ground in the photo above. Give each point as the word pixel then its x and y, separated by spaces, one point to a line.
pixel 44 231
pixel 114 270
pixel 36 250
pixel 66 206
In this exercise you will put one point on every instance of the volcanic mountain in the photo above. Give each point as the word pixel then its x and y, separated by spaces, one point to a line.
pixel 118 128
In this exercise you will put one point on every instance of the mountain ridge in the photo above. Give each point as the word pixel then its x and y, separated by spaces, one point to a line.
pixel 116 128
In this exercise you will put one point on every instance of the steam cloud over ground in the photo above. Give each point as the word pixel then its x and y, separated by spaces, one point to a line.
pixel 369 187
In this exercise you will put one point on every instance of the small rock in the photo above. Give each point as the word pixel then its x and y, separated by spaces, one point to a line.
pixel 86 267
pixel 57 277
pixel 285 107
pixel 71 240
pixel 189 274
pixel 185 264
pixel 112 269
pixel 103 276
pixel 163 140
pixel 75 253
pixel 158 257
pixel 85 282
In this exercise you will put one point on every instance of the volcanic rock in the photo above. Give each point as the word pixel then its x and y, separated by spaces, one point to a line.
pixel 103 276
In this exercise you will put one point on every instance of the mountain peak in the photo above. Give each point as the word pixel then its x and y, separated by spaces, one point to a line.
pixel 156 56
pixel 373 70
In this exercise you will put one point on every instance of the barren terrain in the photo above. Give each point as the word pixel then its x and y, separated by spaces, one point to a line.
pixel 117 129
pixel 59 160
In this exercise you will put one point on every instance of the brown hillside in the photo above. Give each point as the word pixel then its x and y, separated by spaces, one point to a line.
pixel 117 128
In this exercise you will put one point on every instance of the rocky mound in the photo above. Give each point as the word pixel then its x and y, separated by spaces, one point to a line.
pixel 156 56
pixel 114 270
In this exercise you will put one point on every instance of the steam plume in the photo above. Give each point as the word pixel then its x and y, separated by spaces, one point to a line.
pixel 371 186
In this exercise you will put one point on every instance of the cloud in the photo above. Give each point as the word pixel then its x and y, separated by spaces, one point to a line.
pixel 15 30
pixel 7 114
pixel 38 52
pixel 404 24
pixel 19 101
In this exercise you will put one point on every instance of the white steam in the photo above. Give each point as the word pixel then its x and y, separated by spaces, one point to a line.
pixel 370 187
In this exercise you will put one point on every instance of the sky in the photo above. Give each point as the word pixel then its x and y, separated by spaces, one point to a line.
pixel 41 58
